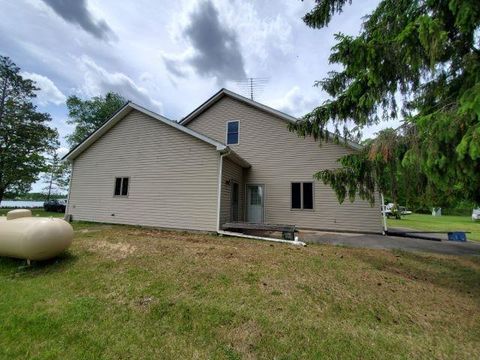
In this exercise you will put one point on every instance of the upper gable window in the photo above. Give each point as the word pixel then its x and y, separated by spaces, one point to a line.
pixel 233 132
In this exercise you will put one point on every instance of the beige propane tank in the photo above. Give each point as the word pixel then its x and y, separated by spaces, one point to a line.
pixel 33 238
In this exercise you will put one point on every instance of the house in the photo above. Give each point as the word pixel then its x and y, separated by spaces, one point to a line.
pixel 231 159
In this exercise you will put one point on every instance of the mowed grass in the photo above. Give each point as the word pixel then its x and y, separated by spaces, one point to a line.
pixel 35 212
pixel 124 292
pixel 438 223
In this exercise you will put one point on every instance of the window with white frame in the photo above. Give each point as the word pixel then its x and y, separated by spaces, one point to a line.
pixel 302 195
pixel 233 132
pixel 121 186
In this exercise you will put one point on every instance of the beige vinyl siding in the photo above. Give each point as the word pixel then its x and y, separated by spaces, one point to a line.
pixel 278 158
pixel 173 177
pixel 231 172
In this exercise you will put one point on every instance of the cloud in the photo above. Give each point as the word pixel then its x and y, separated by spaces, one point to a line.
pixel 215 50
pixel 48 93
pixel 98 81
pixel 174 66
pixel 264 36
pixel 62 151
pixel 295 102
pixel 76 12
pixel 226 40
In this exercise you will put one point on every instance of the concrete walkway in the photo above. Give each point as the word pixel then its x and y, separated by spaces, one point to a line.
pixel 372 241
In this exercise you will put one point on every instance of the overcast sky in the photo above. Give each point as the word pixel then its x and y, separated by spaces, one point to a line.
pixel 170 56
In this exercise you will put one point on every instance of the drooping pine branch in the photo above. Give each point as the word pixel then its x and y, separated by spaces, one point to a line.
pixel 323 12
pixel 426 52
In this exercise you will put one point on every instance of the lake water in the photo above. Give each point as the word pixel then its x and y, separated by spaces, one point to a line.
pixel 20 204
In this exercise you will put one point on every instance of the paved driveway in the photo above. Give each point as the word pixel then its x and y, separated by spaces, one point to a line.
pixel 373 241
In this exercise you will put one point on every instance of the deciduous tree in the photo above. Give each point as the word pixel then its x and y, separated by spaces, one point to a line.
pixel 25 134
pixel 88 115
pixel 56 176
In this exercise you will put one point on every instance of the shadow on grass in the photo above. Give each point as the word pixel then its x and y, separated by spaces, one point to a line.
pixel 459 274
pixel 16 267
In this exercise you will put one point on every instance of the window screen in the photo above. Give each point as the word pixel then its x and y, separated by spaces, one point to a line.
pixel 118 186
pixel 232 132
pixel 302 195
pixel 296 196
pixel 121 186
pixel 307 195
pixel 125 187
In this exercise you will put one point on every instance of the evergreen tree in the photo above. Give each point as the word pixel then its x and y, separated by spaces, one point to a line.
pixel 425 52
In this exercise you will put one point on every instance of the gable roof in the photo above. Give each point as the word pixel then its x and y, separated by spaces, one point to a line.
pixel 124 111
pixel 224 92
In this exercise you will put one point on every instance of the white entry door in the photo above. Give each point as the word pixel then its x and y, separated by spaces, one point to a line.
pixel 255 203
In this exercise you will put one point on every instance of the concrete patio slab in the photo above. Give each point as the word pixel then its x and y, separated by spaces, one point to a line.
pixel 374 241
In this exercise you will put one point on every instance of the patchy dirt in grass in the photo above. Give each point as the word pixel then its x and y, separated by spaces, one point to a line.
pixel 145 302
pixel 113 251
pixel 94 229
pixel 244 337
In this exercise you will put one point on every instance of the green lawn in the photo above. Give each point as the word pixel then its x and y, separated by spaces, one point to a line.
pixel 35 212
pixel 439 223
pixel 124 292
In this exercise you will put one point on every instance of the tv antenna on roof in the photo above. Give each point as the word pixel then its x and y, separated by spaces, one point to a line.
pixel 252 87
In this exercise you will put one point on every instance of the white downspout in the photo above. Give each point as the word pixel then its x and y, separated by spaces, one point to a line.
pixel 294 242
pixel 219 190
pixel 66 215
pixel 385 228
